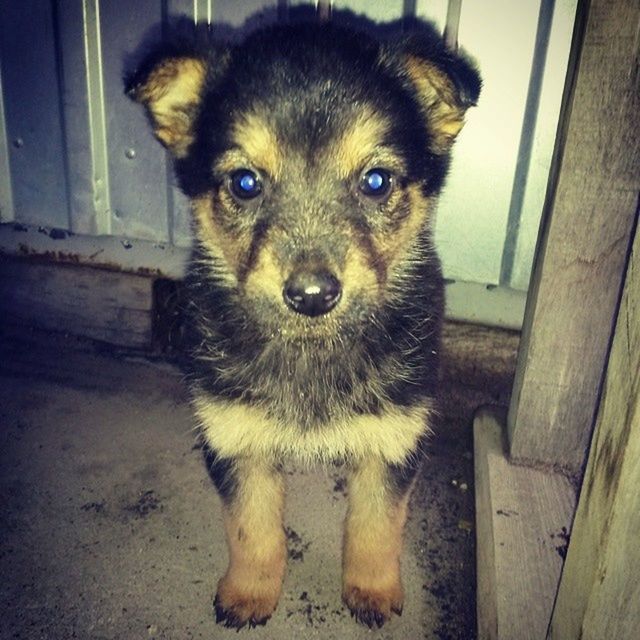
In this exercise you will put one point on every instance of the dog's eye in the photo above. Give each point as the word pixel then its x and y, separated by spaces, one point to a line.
pixel 376 183
pixel 245 184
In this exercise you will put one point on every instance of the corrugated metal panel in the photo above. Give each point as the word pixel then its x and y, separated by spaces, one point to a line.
pixel 33 118
pixel 83 104
pixel 81 155
pixel 137 171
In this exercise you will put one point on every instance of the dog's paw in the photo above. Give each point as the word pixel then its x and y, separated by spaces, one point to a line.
pixel 236 608
pixel 373 607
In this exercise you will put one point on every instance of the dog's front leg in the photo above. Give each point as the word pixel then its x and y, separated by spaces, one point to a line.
pixel 372 588
pixel 253 509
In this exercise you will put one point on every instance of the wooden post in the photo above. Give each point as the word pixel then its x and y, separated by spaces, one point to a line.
pixel 584 243
pixel 599 595
pixel 524 514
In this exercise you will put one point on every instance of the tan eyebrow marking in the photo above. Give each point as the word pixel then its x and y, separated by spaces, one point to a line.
pixel 359 142
pixel 257 141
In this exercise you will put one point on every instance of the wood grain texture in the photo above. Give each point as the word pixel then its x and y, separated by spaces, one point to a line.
pixel 103 305
pixel 599 595
pixel 584 243
pixel 523 519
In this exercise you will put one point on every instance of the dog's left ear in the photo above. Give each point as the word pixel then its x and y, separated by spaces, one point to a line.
pixel 171 87
pixel 446 84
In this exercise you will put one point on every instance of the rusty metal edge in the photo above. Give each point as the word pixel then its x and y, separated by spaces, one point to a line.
pixel 58 246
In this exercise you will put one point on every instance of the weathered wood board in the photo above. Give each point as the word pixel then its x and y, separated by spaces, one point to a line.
pixel 584 243
pixel 599 596
pixel 523 517
pixel 103 305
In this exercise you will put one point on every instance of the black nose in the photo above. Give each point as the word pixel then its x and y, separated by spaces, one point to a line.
pixel 312 293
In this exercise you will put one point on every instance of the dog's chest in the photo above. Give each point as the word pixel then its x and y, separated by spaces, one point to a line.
pixel 234 428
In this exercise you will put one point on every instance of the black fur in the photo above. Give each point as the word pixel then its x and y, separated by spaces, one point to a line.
pixel 222 472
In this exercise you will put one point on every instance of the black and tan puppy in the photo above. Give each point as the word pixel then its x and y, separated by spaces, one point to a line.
pixel 313 157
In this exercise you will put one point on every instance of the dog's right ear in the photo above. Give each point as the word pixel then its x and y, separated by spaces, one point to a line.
pixel 171 87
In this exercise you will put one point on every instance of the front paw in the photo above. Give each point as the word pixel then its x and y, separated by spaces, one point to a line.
pixel 252 605
pixel 373 607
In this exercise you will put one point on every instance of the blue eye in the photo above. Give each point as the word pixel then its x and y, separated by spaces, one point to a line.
pixel 245 184
pixel 376 183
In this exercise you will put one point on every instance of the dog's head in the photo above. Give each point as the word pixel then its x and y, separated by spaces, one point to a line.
pixel 312 156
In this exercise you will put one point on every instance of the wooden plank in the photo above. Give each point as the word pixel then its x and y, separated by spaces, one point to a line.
pixel 487 305
pixel 523 517
pixel 599 595
pixel 584 243
pixel 103 305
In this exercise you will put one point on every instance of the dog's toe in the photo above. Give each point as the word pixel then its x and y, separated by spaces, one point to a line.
pixel 242 611
pixel 372 608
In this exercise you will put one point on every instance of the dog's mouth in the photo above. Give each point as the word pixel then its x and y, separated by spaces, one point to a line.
pixel 320 314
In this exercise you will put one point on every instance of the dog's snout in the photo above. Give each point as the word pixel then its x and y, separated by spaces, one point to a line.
pixel 312 294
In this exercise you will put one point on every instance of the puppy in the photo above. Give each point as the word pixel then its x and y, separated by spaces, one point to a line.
pixel 313 157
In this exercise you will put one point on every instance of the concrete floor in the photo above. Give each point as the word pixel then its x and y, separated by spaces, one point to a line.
pixel 110 528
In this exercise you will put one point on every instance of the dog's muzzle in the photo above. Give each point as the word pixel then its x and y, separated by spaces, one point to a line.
pixel 312 294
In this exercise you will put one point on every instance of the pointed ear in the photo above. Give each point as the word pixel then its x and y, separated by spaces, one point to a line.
pixel 446 84
pixel 171 89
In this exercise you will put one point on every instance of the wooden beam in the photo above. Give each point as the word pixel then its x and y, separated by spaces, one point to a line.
pixel 523 518
pixel 584 243
pixel 599 596
pixel 103 305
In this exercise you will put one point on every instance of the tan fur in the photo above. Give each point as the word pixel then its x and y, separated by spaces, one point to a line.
pixel 358 143
pixel 267 277
pixel 373 543
pixel 251 587
pixel 223 247
pixel 358 273
pixel 254 136
pixel 171 93
pixel 393 247
pixel 444 113
pixel 237 429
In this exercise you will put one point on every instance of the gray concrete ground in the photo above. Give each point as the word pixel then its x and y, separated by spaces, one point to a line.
pixel 110 528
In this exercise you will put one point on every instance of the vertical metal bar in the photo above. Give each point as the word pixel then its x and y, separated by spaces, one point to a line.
pixel 545 19
pixel 408 12
pixel 452 24
pixel 323 10
pixel 203 11
pixel 283 10
pixel 409 8
pixel 97 119
pixel 172 206
pixel 84 116
pixel 7 212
